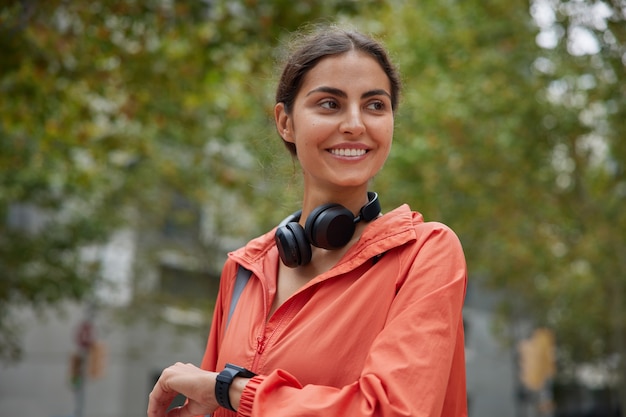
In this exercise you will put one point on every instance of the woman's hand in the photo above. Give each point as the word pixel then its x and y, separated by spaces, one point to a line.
pixel 186 379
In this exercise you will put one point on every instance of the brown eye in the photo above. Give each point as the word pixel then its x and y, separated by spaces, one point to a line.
pixel 376 105
pixel 329 104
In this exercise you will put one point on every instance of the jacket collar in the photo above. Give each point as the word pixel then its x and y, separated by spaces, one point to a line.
pixel 379 236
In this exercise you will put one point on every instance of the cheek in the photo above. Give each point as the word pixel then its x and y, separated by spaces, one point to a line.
pixel 311 134
pixel 386 140
pixel 390 133
pixel 385 132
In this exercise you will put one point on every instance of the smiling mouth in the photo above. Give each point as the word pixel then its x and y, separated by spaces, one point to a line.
pixel 348 152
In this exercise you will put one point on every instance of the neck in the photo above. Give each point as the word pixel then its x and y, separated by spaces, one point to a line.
pixel 353 200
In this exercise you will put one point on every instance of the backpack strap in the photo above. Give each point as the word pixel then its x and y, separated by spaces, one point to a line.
pixel 243 276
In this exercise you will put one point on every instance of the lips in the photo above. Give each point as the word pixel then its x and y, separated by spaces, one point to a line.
pixel 348 152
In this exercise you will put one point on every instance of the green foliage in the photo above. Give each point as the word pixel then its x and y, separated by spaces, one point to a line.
pixel 520 149
pixel 583 297
pixel 124 114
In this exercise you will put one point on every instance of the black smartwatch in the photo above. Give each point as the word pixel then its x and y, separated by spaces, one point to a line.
pixel 225 379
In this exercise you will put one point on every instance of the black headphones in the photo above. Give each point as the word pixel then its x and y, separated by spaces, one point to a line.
pixel 329 226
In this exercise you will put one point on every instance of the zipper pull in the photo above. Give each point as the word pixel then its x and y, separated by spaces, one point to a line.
pixel 260 344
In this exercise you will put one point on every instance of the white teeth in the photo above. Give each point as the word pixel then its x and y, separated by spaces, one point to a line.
pixel 348 152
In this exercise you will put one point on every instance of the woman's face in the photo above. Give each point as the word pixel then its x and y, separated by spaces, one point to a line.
pixel 341 122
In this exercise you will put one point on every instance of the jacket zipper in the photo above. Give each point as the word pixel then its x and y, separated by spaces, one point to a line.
pixel 260 347
pixel 263 340
pixel 260 344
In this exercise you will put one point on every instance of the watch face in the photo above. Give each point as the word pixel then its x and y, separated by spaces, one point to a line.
pixel 235 367
pixel 241 371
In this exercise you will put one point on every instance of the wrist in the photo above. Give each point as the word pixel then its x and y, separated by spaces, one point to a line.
pixel 236 390
pixel 229 385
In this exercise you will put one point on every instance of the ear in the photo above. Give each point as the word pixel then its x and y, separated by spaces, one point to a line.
pixel 284 126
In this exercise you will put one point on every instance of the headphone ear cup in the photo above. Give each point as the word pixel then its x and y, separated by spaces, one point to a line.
pixel 330 226
pixel 293 247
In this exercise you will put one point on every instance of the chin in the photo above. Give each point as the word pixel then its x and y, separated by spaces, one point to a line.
pixel 353 183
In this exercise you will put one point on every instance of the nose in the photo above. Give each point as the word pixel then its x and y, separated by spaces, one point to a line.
pixel 352 122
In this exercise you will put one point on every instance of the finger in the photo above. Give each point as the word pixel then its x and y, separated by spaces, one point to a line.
pixel 159 401
pixel 174 412
pixel 182 411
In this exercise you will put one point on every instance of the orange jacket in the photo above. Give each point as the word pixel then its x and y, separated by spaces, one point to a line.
pixel 380 334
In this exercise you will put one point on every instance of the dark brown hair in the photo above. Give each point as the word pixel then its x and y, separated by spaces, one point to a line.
pixel 310 48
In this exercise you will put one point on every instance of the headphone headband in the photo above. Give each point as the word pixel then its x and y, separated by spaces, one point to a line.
pixel 371 210
pixel 329 226
pixel 368 212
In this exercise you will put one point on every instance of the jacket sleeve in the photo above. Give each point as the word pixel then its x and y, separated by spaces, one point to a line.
pixel 415 366
pixel 222 303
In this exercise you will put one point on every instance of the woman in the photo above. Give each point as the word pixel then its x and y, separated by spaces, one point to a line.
pixel 339 318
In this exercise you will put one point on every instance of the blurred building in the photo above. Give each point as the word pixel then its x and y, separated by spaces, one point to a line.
pixel 102 357
pixel 491 371
pixel 131 360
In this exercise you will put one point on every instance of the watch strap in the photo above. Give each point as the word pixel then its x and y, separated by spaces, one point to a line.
pixel 225 379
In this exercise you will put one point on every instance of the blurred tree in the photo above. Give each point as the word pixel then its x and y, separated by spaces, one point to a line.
pixel 583 65
pixel 125 114
pixel 511 131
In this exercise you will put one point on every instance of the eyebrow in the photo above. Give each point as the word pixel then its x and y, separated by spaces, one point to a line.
pixel 341 93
